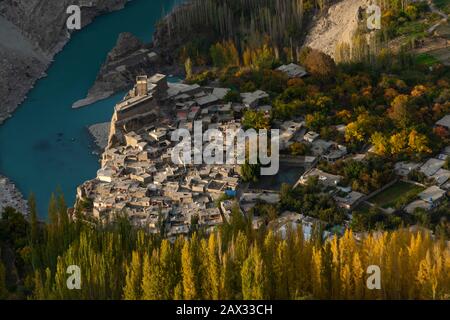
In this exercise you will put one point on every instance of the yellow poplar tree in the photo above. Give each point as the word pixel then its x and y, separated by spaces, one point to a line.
pixel 132 289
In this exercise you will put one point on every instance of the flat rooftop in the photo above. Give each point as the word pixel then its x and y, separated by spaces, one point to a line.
pixel 444 122
pixel 129 103
pixel 156 78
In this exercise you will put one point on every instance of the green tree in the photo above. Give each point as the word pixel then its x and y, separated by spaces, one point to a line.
pixel 170 266
pixel 3 289
pixel 254 276
pixel 34 231
pixel 250 172
pixel 191 269
pixel 153 282
pixel 213 268
pixel 39 290
pixel 132 289
pixel 400 112
pixel 188 68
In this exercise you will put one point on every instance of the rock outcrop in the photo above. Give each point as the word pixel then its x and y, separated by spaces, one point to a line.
pixel 10 196
pixel 129 58
pixel 100 133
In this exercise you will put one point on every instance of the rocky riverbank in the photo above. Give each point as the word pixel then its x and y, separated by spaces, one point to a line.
pixel 100 133
pixel 10 196
pixel 31 33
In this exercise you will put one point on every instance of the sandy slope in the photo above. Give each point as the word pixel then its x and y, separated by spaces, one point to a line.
pixel 337 25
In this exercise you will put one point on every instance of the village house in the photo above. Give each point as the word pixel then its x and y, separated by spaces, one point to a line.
pixel 441 177
pixel 288 130
pixel 416 204
pixel 291 221
pixel 210 217
pixel 249 200
pixel 226 207
pixel 139 100
pixel 220 93
pixel 310 136
pixel 444 123
pixel 105 174
pixel 158 134
pixel 350 201
pixel 403 168
pixel 324 178
pixel 433 195
pixel 251 99
pixel 264 196
pixel 176 89
pixel 335 152
pixel 207 100
pixel 319 147
pixel 293 70
pixel 132 139
pixel 138 176
pixel 432 166
pixel 428 199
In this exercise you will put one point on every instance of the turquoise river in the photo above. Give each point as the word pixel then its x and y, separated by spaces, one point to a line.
pixel 46 145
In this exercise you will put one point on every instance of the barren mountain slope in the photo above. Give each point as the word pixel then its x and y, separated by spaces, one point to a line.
pixel 31 33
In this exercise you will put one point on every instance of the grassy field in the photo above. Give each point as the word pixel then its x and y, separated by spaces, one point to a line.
pixel 390 196
pixel 426 59
pixel 363 208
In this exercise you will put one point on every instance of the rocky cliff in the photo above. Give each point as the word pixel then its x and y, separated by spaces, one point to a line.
pixel 31 33
pixel 128 59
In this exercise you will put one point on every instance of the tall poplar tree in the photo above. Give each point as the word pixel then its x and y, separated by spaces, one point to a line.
pixel 132 289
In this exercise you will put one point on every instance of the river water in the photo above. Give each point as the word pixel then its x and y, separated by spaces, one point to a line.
pixel 45 145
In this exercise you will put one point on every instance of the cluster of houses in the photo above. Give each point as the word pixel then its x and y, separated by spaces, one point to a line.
pixel 437 177
pixel 139 177
pixel 436 190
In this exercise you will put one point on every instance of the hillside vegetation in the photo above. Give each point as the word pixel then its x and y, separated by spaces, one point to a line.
pixel 247 23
